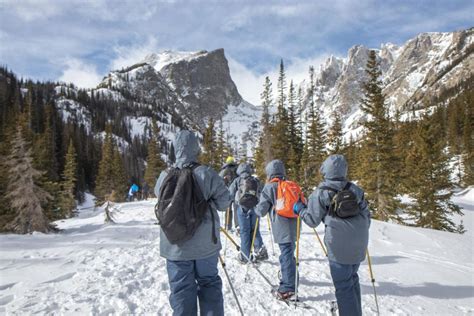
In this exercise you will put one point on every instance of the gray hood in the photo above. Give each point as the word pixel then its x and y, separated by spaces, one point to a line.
pixel 186 148
pixel 244 169
pixel 334 168
pixel 275 168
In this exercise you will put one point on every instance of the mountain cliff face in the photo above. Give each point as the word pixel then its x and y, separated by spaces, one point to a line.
pixel 414 74
pixel 178 89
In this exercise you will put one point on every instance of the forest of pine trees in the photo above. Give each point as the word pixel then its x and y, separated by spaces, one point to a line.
pixel 54 162
pixel 392 157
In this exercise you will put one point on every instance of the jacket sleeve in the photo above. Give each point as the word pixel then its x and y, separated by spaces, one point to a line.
pixel 364 206
pixel 314 213
pixel 219 197
pixel 266 201
pixel 233 188
pixel 159 182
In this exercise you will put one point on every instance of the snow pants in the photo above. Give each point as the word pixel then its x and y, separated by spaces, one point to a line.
pixel 287 267
pixel 192 280
pixel 346 282
pixel 247 221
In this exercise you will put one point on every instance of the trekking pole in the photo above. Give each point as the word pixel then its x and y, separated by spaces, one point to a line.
pixel 320 242
pixel 298 223
pixel 372 279
pixel 271 233
pixel 246 257
pixel 226 225
pixel 252 253
pixel 230 285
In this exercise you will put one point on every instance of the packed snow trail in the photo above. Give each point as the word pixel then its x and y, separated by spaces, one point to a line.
pixel 101 269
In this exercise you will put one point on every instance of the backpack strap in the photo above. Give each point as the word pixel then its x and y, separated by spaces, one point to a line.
pixel 330 208
pixel 347 186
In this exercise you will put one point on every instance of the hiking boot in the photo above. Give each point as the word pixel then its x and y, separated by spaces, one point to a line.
pixel 241 259
pixel 261 254
pixel 285 295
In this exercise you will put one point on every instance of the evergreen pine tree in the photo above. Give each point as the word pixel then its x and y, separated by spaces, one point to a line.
pixel 263 153
pixel 119 177
pixel 208 155
pixel 111 179
pixel 430 179
pixel 294 140
pixel 335 139
pixel 378 176
pixel 314 150
pixel 24 194
pixel 280 128
pixel 68 185
pixel 468 140
pixel 154 163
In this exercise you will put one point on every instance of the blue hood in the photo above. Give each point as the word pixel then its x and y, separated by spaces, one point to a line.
pixel 244 169
pixel 334 168
pixel 186 148
pixel 274 169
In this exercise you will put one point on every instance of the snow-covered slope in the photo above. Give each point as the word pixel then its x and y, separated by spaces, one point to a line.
pixel 96 268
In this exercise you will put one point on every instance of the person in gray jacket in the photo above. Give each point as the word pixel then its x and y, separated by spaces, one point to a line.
pixel 283 229
pixel 247 218
pixel 346 239
pixel 192 265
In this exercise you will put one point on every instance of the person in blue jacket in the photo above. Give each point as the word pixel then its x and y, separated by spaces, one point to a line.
pixel 283 229
pixel 192 265
pixel 346 239
pixel 247 219
pixel 132 191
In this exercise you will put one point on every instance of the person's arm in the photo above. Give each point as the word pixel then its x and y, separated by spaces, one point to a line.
pixel 159 182
pixel 233 188
pixel 220 197
pixel 314 213
pixel 265 202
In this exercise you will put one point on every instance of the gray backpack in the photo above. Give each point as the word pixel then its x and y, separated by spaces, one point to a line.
pixel 248 192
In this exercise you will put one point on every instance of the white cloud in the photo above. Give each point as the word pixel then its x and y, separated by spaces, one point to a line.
pixel 30 10
pixel 81 74
pixel 250 84
pixel 127 56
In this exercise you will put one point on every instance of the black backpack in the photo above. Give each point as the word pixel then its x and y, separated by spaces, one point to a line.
pixel 230 173
pixel 248 192
pixel 344 203
pixel 181 205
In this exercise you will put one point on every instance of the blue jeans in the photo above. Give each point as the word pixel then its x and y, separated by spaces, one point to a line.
pixel 247 221
pixel 195 279
pixel 288 267
pixel 346 282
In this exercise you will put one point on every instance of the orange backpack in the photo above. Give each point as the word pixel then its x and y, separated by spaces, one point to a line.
pixel 288 193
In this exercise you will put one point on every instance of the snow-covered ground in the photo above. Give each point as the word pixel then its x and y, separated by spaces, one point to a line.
pixel 96 268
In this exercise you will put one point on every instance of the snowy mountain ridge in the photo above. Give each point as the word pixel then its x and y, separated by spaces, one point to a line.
pixel 413 74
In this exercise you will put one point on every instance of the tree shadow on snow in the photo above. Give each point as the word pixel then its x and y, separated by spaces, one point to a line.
pixel 376 260
pixel 427 289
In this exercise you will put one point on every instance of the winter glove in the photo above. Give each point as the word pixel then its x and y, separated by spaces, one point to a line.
pixel 297 207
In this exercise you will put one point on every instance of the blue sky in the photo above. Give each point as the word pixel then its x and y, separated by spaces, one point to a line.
pixel 81 40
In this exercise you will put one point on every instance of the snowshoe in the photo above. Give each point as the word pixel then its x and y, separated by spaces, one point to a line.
pixel 261 254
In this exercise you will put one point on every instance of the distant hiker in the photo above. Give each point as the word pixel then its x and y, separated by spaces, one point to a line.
pixel 341 206
pixel 145 191
pixel 229 173
pixel 245 191
pixel 132 192
pixel 189 234
pixel 283 228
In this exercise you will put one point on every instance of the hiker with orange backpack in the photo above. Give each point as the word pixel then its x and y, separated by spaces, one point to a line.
pixel 277 199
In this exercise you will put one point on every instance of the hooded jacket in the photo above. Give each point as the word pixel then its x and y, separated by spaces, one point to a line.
pixel 243 171
pixel 200 246
pixel 283 229
pixel 346 239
